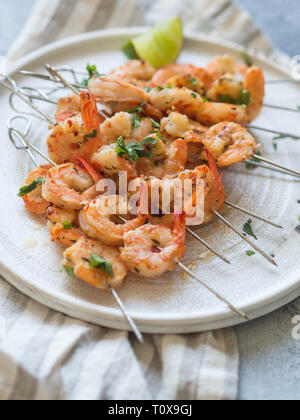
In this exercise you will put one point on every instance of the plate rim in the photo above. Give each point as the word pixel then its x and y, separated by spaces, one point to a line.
pixel 111 317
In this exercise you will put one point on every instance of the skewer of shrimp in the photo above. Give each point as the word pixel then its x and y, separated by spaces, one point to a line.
pixel 93 114
pixel 10 84
pixel 252 81
pixel 84 247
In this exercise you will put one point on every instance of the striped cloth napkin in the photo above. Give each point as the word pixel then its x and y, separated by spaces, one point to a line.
pixel 46 355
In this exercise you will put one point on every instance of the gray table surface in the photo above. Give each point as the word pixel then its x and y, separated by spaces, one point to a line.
pixel 270 357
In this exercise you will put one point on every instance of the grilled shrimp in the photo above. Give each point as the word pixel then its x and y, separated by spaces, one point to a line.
pixel 119 95
pixel 182 75
pixel 121 125
pixel 34 201
pixel 108 162
pixel 141 253
pixel 69 186
pixel 79 135
pixel 193 105
pixel 229 143
pixel 67 108
pixel 176 161
pixel 220 66
pixel 137 72
pixel 62 226
pixel 229 79
pixel 97 220
pixel 79 257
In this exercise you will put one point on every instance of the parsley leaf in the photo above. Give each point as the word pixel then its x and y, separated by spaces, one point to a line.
pixel 155 124
pixel 29 188
pixel 98 262
pixel 249 230
pixel 244 98
pixel 136 112
pixel 135 150
pixel 68 225
pixel 69 271
pixel 92 71
pixel 91 135
pixel 194 95
pixel 194 81
pixel 250 253
pixel 227 99
pixel 248 61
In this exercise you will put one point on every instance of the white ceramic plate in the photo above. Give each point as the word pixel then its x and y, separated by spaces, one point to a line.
pixel 174 303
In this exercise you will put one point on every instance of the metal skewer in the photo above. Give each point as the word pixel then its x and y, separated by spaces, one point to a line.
pixel 10 84
pixel 278 133
pixel 261 165
pixel 282 108
pixel 26 145
pixel 206 244
pixel 48 78
pixel 240 234
pixel 270 82
pixel 78 86
pixel 256 216
pixel 277 165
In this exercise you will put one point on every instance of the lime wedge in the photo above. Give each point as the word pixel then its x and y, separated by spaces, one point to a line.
pixel 162 44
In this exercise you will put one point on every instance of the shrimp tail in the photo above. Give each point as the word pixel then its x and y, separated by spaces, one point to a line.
pixel 94 174
pixel 89 112
pixel 217 178
pixel 143 199
pixel 179 228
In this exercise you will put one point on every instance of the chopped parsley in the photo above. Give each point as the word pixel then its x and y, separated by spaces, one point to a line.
pixel 248 61
pixel 148 89
pixel 194 95
pixel 275 145
pixel 98 262
pixel 69 271
pixel 244 98
pixel 194 81
pixel 155 124
pixel 249 230
pixel 68 225
pixel 204 99
pixel 91 135
pixel 31 187
pixel 135 113
pixel 135 150
pixel 92 71
pixel 250 253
